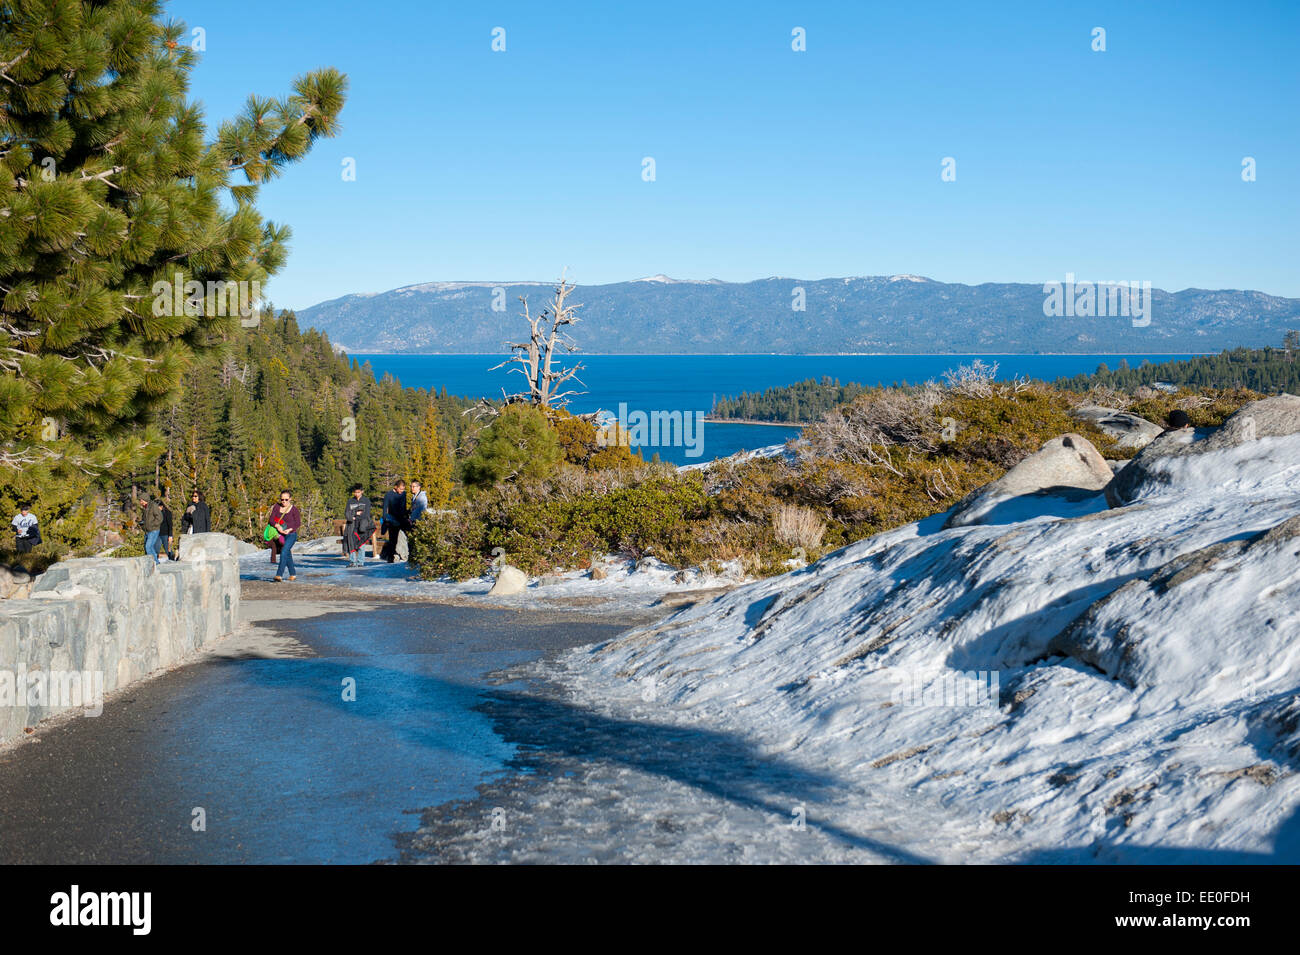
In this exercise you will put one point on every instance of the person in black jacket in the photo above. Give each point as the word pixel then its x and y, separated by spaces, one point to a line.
pixel 358 525
pixel 197 519
pixel 165 532
pixel 395 519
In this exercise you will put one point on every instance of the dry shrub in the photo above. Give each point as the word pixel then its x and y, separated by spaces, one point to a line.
pixel 1103 396
pixel 975 380
pixel 797 526
pixel 862 431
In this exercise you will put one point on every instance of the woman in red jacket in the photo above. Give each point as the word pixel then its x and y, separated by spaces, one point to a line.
pixel 286 519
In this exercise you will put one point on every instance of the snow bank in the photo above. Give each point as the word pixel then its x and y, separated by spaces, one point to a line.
pixel 1078 684
pixel 740 457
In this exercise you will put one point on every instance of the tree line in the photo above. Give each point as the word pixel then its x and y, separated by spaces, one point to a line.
pixel 798 403
pixel 1268 370
pixel 281 409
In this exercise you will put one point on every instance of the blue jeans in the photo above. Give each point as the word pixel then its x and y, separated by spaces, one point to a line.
pixel 286 555
pixel 151 541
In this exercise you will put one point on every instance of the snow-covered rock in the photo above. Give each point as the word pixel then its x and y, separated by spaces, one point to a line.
pixel 1128 430
pixel 1102 684
pixel 1068 466
pixel 770 451
pixel 1173 460
pixel 1272 417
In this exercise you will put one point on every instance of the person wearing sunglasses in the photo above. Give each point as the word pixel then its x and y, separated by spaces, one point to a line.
pixel 286 519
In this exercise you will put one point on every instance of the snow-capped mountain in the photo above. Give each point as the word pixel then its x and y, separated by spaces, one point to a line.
pixel 894 313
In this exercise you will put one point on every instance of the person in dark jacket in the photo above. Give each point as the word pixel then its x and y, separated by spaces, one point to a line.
pixel 165 532
pixel 358 525
pixel 286 519
pixel 151 523
pixel 395 519
pixel 197 519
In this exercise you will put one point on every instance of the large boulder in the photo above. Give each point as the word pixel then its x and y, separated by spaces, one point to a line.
pixel 1267 418
pixel 511 580
pixel 14 582
pixel 1128 430
pixel 1068 466
pixel 320 545
pixel 1169 459
pixel 208 547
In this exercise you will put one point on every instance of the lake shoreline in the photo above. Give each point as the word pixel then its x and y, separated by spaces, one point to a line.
pixel 669 389
pixel 710 419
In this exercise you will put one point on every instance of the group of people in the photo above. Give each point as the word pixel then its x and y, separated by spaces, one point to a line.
pixel 397 517
pixel 283 523
pixel 156 522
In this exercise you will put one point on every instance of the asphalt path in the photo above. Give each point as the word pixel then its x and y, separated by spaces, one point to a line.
pixel 317 734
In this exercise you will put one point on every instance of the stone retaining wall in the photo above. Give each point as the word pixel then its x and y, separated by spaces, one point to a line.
pixel 93 625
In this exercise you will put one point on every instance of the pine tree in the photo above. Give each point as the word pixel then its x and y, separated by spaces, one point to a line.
pixel 431 462
pixel 110 211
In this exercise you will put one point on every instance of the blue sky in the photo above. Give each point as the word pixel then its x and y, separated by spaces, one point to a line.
pixel 481 165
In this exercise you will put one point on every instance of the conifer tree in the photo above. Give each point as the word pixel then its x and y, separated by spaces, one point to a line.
pixel 431 462
pixel 111 204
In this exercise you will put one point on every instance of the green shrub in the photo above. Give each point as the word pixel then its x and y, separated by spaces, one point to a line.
pixel 538 530
pixel 890 457
pixel 519 444
pixel 1206 407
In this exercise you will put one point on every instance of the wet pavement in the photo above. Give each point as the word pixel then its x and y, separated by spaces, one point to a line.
pixel 310 739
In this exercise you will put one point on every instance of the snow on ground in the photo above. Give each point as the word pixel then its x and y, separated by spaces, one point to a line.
pixel 1070 683
pixel 629 584
pixel 1064 683
pixel 769 451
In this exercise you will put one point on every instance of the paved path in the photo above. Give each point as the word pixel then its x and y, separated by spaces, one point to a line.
pixel 259 737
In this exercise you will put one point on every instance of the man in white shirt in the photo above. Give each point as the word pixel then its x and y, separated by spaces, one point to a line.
pixel 27 529
pixel 419 501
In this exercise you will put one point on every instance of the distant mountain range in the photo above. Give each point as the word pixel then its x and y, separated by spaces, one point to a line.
pixel 897 314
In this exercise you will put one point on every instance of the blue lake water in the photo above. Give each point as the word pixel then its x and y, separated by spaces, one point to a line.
pixel 690 383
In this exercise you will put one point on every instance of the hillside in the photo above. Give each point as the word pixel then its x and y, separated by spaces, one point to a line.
pixel 274 407
pixel 281 407
pixel 1063 682
pixel 886 314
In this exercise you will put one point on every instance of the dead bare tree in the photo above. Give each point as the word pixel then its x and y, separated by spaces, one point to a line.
pixel 535 359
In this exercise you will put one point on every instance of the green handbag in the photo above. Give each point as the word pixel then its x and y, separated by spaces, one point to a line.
pixel 270 533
